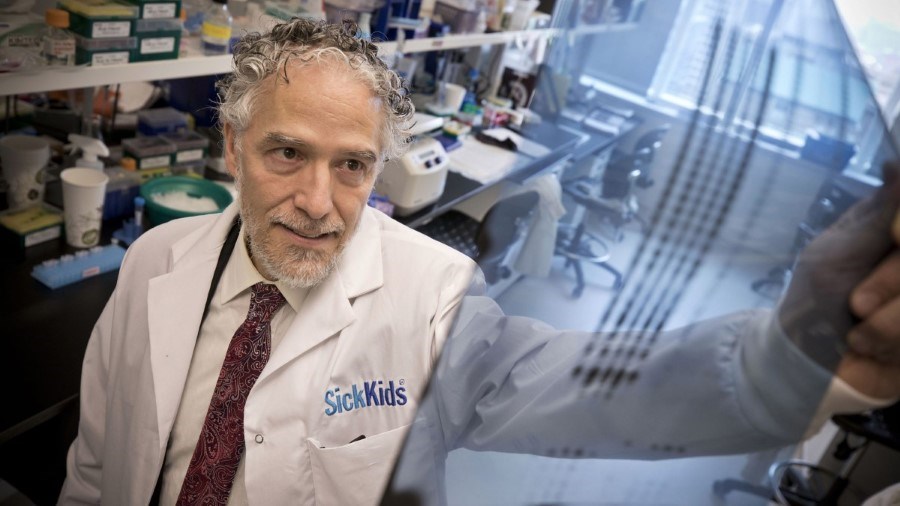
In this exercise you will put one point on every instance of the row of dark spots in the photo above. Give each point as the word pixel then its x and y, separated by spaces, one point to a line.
pixel 566 452
pixel 602 375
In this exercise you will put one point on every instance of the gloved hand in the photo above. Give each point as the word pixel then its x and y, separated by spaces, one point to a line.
pixel 842 307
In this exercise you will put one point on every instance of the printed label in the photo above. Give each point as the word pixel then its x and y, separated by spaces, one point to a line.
pixel 116 58
pixel 59 47
pixel 367 394
pixel 23 40
pixel 160 11
pixel 41 236
pixel 155 161
pixel 158 45
pixel 107 29
pixel 218 32
pixel 190 155
pixel 90 271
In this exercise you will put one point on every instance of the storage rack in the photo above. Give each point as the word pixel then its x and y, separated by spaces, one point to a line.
pixel 192 63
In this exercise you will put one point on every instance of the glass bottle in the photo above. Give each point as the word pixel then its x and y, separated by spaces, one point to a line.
pixel 215 36
pixel 58 44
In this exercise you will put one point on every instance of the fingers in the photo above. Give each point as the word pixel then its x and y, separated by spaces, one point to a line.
pixel 878 336
pixel 891 176
pixel 895 228
pixel 881 286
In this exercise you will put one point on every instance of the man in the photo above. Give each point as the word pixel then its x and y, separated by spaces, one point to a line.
pixel 280 358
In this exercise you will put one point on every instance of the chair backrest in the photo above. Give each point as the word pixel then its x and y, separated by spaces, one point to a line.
pixel 501 227
pixel 652 140
pixel 619 176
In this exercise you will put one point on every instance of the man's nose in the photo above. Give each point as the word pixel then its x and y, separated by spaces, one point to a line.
pixel 314 194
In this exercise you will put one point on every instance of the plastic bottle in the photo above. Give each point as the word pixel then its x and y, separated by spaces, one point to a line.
pixel 193 12
pixel 91 151
pixel 215 35
pixel 59 44
pixel 364 25
pixel 421 30
pixel 471 98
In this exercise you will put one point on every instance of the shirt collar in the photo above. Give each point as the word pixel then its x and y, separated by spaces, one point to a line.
pixel 240 274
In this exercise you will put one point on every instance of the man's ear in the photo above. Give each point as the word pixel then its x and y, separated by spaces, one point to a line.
pixel 231 155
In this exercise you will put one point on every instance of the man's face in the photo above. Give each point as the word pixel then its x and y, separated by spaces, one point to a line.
pixel 305 169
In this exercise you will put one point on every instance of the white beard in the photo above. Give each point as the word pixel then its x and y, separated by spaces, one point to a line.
pixel 296 267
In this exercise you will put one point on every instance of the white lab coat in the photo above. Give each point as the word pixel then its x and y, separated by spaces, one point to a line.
pixel 381 316
pixel 505 383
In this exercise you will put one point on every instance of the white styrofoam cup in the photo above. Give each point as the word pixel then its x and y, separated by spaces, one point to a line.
pixel 83 192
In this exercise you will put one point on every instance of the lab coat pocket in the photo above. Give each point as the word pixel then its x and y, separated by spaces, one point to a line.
pixel 355 473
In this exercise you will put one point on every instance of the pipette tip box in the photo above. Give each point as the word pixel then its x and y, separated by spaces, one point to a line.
pixel 22 228
pixel 84 264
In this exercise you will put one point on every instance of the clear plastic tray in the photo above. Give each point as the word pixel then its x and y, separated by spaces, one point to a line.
pixel 142 147
pixel 90 44
pixel 157 25
pixel 186 140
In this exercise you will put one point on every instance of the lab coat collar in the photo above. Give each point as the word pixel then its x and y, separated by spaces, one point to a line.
pixel 361 267
pixel 176 301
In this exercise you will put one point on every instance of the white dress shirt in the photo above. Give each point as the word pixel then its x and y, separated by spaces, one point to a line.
pixel 227 311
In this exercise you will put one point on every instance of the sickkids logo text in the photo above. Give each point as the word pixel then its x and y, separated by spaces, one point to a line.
pixel 370 393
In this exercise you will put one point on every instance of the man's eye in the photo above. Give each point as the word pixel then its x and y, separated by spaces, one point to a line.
pixel 354 165
pixel 289 153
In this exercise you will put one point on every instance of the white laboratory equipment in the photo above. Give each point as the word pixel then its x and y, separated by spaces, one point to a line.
pixel 416 179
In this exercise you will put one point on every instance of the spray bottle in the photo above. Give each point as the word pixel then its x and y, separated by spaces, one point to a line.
pixel 91 149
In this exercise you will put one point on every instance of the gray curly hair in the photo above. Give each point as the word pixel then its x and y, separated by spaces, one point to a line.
pixel 302 41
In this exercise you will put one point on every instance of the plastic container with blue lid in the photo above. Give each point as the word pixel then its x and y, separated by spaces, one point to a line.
pixel 160 121
pixel 149 152
pixel 190 147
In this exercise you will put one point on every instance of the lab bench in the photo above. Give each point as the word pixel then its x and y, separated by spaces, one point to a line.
pixel 563 140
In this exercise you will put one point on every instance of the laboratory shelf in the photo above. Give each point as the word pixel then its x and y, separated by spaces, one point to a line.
pixel 192 63
pixel 481 39
pixel 48 79
pixel 601 28
pixel 470 40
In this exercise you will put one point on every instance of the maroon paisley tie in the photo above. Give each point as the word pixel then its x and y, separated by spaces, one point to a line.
pixel 220 447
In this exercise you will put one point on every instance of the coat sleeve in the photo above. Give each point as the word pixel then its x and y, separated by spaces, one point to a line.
pixel 84 463
pixel 729 385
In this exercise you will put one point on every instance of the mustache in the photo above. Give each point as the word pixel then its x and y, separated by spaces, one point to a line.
pixel 304 225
